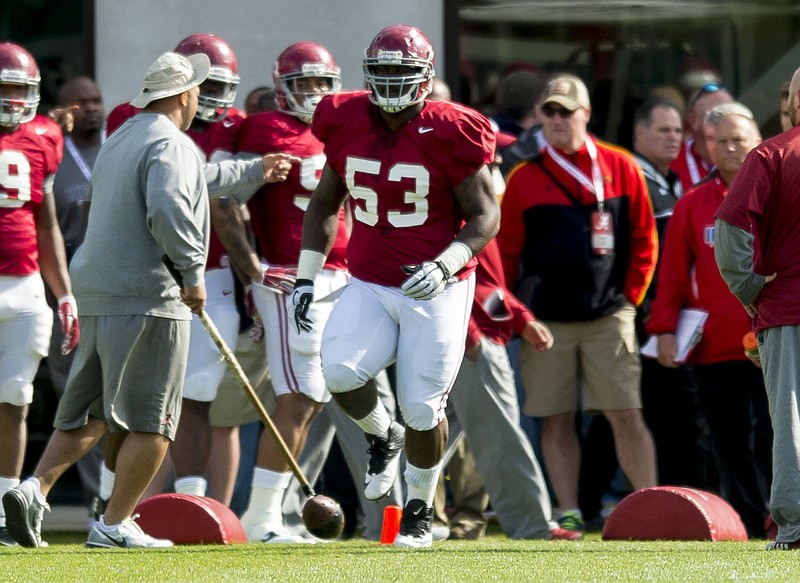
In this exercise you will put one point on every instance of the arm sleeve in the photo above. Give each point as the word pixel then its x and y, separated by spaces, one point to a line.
pixel 237 178
pixel 644 240
pixel 733 250
pixel 520 313
pixel 177 209
pixel 674 273
pixel 511 237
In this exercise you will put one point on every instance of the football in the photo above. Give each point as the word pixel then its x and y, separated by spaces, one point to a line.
pixel 323 517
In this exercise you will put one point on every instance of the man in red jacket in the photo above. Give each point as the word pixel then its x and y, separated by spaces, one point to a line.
pixel 728 384
pixel 578 220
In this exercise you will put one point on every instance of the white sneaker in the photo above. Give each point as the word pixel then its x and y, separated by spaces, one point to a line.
pixel 24 511
pixel 384 461
pixel 274 534
pixel 126 535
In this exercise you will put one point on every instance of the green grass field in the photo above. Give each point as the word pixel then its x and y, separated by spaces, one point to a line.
pixel 493 559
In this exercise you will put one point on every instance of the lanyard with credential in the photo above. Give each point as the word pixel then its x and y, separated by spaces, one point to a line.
pixel 593 185
pixel 691 163
pixel 78 158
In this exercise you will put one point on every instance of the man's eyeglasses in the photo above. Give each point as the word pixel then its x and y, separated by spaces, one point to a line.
pixel 550 111
pixel 707 89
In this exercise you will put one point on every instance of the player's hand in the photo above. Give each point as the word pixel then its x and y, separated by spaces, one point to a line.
pixel 299 302
pixel 70 327
pixel 194 298
pixel 427 280
pixel 64 117
pixel 280 279
pixel 256 330
pixel 249 302
pixel 277 166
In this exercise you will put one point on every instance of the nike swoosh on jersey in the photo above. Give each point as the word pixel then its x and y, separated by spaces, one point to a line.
pixel 227 292
pixel 424 130
pixel 40 131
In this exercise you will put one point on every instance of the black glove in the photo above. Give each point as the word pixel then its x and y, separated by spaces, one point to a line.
pixel 299 302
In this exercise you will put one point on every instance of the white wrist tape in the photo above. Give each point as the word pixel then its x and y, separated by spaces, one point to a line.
pixel 454 257
pixel 310 264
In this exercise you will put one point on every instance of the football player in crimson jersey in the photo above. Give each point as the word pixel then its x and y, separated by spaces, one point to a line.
pixel 415 176
pixel 303 73
pixel 31 250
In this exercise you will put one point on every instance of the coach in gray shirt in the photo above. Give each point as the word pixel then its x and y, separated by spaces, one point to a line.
pixel 149 200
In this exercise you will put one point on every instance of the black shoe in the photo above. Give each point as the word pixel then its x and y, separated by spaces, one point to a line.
pixel 5 538
pixel 415 526
pixel 384 461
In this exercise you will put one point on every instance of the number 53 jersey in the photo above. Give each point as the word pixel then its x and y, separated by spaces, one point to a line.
pixel 29 157
pixel 401 183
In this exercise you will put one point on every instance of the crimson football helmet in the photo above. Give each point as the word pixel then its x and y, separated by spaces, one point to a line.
pixel 215 98
pixel 407 50
pixel 298 61
pixel 18 67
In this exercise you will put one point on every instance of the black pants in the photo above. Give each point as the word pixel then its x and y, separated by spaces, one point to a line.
pixel 734 402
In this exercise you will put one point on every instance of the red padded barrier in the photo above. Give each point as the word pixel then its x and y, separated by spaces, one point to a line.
pixel 674 513
pixel 189 520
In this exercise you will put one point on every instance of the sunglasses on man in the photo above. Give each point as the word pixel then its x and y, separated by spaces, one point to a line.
pixel 550 111
pixel 707 89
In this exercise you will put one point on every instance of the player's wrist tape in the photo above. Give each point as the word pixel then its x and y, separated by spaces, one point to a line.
pixel 452 259
pixel 310 264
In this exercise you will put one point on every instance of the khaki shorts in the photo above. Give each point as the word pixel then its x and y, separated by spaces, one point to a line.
pixel 122 374
pixel 599 358
pixel 232 407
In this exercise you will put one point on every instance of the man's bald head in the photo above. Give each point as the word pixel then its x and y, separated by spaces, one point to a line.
pixel 83 94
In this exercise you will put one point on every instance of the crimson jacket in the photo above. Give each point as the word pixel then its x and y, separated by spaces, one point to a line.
pixel 496 313
pixel 688 277
pixel 545 230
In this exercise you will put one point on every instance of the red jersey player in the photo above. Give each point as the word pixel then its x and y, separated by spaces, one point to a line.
pixel 415 175
pixel 303 73
pixel 31 249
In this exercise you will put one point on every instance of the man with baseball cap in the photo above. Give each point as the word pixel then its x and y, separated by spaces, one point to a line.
pixel 578 236
pixel 149 200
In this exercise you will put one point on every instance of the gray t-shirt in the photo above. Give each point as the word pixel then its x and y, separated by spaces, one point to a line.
pixel 148 198
pixel 71 190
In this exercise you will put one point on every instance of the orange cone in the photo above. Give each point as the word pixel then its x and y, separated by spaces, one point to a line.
pixel 391 523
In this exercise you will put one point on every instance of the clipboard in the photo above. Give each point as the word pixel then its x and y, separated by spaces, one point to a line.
pixel 688 334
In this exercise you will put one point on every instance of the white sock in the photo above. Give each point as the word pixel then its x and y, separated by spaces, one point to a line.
pixel 422 482
pixel 6 483
pixel 266 497
pixel 377 422
pixel 192 485
pixel 107 478
pixel 103 526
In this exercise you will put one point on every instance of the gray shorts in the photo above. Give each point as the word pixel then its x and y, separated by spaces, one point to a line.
pixel 128 371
